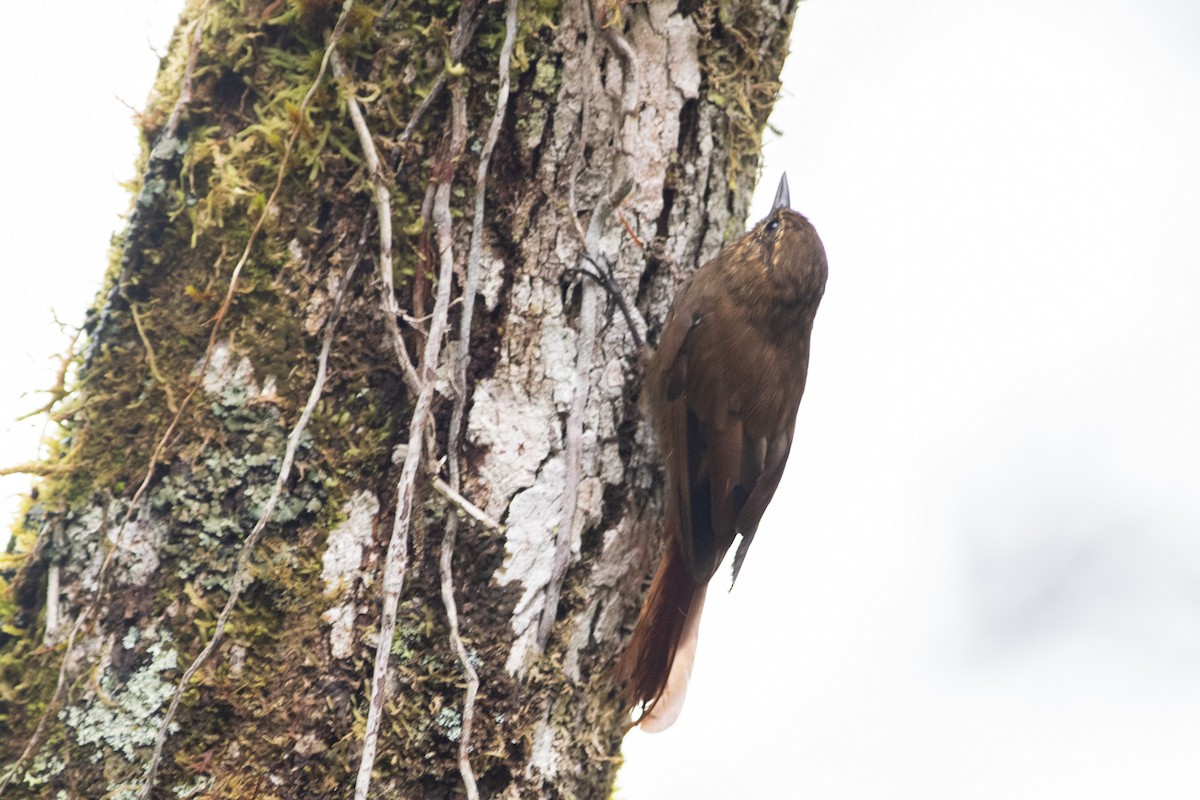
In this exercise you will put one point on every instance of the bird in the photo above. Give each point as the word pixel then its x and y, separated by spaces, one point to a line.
pixel 722 391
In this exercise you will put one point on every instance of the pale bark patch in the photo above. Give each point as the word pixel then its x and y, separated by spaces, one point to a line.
pixel 516 430
pixel 137 559
pixel 223 371
pixel 543 760
pixel 342 564
pixel 346 543
pixel 534 515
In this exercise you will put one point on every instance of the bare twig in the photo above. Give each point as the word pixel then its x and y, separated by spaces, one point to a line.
pixel 631 75
pixel 578 162
pixel 470 509
pixel 39 468
pixel 383 210
pixel 468 715
pixel 387 9
pixel 625 223
pixel 446 562
pixel 396 559
pixel 53 585
pixel 150 359
pixel 238 583
pixel 435 91
pixel 471 284
pixel 459 381
pixel 605 277
pixel 464 31
pixel 59 390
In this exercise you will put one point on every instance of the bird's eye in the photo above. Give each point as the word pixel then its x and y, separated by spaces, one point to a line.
pixel 773 225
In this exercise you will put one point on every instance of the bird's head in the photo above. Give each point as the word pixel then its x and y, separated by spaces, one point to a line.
pixel 787 251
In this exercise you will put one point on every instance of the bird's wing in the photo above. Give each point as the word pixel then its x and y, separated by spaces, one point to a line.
pixel 704 442
pixel 725 467
pixel 765 482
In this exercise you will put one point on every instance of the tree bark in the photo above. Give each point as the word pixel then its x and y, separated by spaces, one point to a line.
pixel 280 401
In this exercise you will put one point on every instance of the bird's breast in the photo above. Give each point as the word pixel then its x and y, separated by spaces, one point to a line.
pixel 741 370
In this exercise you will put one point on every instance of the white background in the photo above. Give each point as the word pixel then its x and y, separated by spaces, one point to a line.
pixel 68 78
pixel 981 576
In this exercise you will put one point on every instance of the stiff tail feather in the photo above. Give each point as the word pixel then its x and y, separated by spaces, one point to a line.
pixel 657 665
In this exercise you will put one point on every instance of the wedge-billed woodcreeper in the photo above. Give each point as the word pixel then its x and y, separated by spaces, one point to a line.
pixel 722 391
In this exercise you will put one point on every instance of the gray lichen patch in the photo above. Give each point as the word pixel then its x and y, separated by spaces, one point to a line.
pixel 450 721
pixel 215 498
pixel 122 717
pixel 517 430
pixel 195 788
pixel 42 769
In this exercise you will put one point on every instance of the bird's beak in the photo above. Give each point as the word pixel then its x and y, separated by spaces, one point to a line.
pixel 782 197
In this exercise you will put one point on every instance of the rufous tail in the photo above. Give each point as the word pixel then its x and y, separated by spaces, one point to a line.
pixel 658 663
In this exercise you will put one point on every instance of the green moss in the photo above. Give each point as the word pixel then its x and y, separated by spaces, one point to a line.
pixel 741 77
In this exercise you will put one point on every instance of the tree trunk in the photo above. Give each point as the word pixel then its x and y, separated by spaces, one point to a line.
pixel 248 461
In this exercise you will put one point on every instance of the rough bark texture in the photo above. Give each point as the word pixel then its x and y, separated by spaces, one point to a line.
pixel 630 140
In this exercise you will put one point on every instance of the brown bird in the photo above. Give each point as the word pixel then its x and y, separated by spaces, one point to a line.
pixel 722 390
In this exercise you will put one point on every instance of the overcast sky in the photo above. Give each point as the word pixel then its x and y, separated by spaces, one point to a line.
pixel 981 577
pixel 67 142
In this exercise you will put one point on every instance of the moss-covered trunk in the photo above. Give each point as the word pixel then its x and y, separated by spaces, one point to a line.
pixel 626 141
